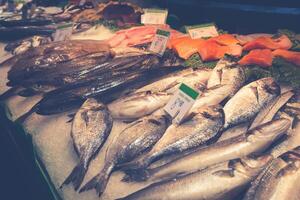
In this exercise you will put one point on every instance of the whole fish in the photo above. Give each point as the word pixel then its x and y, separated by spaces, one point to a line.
pixel 137 105
pixel 90 128
pixel 280 180
pixel 226 78
pixel 212 184
pixel 254 141
pixel 202 126
pixel 132 141
pixel 249 100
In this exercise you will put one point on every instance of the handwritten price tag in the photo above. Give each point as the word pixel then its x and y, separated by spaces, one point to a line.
pixel 159 42
pixel 154 16
pixel 202 31
pixel 181 102
pixel 63 32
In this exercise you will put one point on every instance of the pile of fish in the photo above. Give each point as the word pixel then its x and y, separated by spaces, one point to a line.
pixel 234 135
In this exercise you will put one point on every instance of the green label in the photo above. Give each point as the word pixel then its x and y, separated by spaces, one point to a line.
pixel 189 91
pixel 163 32
pixel 65 26
pixel 199 26
pixel 149 10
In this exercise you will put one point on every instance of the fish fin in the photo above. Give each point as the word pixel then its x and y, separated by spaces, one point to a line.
pixel 99 183
pixel 8 93
pixel 23 117
pixel 136 164
pixel 76 176
pixel 136 175
pixel 71 117
pixel 224 173
pixel 254 89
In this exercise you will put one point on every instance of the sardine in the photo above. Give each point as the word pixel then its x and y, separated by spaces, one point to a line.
pixel 249 100
pixel 90 128
pixel 254 141
pixel 202 126
pixel 132 141
pixel 280 180
pixel 212 184
pixel 137 105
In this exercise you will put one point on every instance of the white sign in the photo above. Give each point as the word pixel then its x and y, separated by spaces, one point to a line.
pixel 181 102
pixel 154 16
pixel 63 32
pixel 202 31
pixel 159 43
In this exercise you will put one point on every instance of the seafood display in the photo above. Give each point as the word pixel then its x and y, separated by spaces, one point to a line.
pixel 238 139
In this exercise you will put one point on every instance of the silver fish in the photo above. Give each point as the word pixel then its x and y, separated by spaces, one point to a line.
pixel 203 126
pixel 224 81
pixel 269 111
pixel 137 105
pixel 196 79
pixel 132 141
pixel 291 142
pixel 90 128
pixel 249 100
pixel 213 184
pixel 279 181
pixel 254 141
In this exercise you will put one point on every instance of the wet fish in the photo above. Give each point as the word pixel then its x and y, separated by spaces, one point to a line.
pixel 202 126
pixel 137 105
pixel 90 128
pixel 280 180
pixel 254 141
pixel 132 141
pixel 249 100
pixel 226 78
pixel 269 111
pixel 225 183
pixel 291 142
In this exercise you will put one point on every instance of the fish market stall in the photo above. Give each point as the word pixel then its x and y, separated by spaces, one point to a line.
pixel 121 107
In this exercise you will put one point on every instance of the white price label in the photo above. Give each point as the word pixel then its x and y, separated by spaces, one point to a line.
pixel 159 43
pixel 181 102
pixel 63 32
pixel 202 31
pixel 154 16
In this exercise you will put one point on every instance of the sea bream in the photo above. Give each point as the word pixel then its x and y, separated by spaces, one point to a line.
pixel 137 137
pixel 201 126
pixel 212 184
pixel 279 181
pixel 90 128
pixel 254 141
pixel 249 100
pixel 136 105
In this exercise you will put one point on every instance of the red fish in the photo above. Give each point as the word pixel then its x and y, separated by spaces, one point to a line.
pixel 210 50
pixel 283 42
pixel 225 39
pixel 290 56
pixel 261 57
pixel 186 46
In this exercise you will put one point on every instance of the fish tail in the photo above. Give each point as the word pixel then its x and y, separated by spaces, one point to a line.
pixel 76 176
pixel 99 182
pixel 8 93
pixel 136 175
pixel 23 117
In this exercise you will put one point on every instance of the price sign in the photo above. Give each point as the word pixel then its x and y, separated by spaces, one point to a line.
pixel 181 102
pixel 159 43
pixel 63 32
pixel 202 31
pixel 154 16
